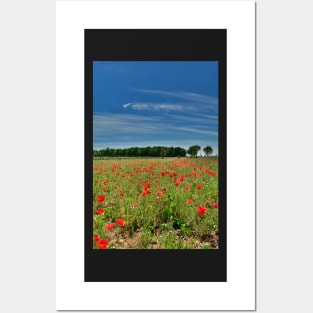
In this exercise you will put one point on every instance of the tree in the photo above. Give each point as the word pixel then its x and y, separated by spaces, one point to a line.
pixel 207 150
pixel 193 150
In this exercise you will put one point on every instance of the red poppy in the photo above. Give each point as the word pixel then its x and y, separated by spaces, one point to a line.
pixel 215 204
pixel 100 211
pixel 187 187
pixel 201 209
pixel 160 193
pixel 146 192
pixel 109 226
pixel 199 186
pixel 101 198
pixel 120 222
pixel 102 243
pixel 96 237
pixel 189 201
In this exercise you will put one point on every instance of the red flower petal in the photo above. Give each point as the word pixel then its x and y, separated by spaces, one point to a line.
pixel 120 222
pixel 109 226
pixel 201 209
pixel 101 198
pixel 102 243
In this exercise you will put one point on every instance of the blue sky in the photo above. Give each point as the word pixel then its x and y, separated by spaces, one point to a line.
pixel 155 103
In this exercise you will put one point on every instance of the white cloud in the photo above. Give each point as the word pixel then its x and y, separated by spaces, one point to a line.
pixel 193 97
pixel 195 130
pixel 126 105
pixel 196 119
pixel 112 124
pixel 149 106
pixel 192 103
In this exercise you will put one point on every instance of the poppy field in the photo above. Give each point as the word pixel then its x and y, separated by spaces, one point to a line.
pixel 169 203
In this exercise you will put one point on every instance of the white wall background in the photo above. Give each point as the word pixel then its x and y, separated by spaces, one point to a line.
pixel 284 166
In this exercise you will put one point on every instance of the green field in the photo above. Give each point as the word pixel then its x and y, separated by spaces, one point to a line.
pixel 155 203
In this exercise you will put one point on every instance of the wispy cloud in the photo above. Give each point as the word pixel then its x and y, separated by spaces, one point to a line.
pixel 194 109
pixel 113 124
pixel 127 129
pixel 196 130
pixel 173 114
pixel 131 124
pixel 126 105
pixel 194 119
pixel 175 102
pixel 190 96
pixel 149 106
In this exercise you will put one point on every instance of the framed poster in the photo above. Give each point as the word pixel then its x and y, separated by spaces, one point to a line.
pixel 147 199
pixel 150 208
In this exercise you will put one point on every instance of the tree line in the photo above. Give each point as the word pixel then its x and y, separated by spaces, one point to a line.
pixel 156 151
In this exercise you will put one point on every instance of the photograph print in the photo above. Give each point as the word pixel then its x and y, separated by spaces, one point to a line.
pixel 155 155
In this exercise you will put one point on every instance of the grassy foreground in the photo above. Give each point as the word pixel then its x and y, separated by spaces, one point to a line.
pixel 155 204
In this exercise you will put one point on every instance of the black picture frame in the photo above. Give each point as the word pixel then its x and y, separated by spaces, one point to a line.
pixel 154 45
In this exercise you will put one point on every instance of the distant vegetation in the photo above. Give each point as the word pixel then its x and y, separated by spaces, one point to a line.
pixel 156 151
pixel 141 152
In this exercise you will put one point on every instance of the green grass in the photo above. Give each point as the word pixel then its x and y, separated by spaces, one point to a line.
pixel 151 198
